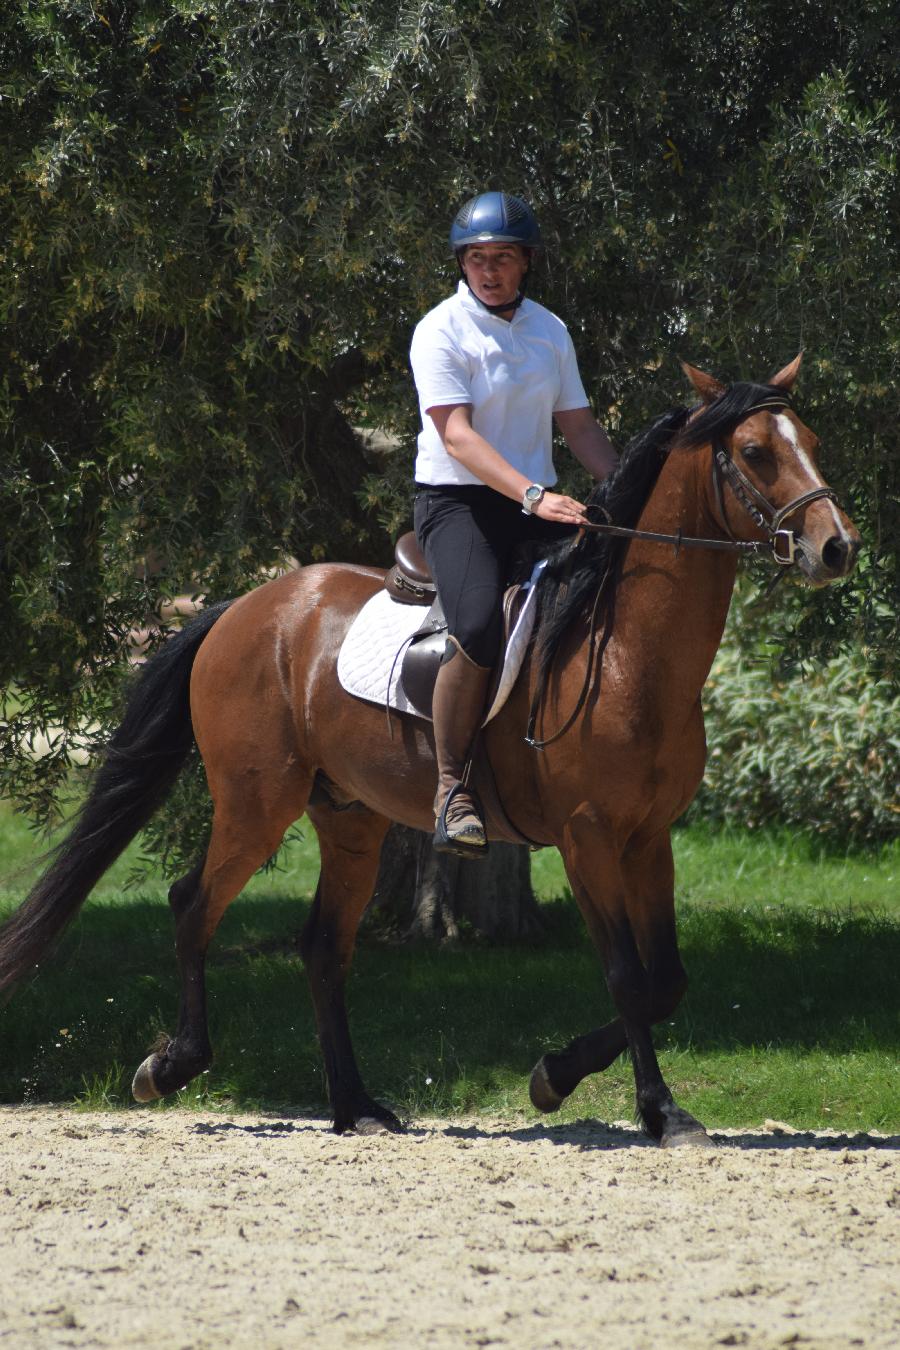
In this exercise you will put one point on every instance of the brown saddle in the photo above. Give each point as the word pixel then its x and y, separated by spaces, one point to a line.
pixel 409 582
pixel 419 667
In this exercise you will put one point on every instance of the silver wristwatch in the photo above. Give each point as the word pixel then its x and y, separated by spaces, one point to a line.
pixel 532 497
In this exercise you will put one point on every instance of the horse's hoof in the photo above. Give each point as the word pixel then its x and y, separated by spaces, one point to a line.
pixel 367 1118
pixel 680 1129
pixel 371 1125
pixel 143 1088
pixel 690 1138
pixel 543 1094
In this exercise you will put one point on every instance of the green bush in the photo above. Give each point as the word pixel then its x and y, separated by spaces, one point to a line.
pixel 820 750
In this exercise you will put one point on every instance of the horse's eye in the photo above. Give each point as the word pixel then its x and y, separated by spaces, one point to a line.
pixel 752 451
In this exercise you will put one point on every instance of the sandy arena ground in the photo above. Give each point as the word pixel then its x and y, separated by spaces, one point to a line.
pixel 170 1229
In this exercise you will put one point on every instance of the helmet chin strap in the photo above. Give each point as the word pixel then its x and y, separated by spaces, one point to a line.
pixel 498 309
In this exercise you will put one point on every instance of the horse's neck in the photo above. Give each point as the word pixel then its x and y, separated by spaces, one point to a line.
pixel 671 609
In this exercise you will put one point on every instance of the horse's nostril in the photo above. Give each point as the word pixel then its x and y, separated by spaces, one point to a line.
pixel 839 554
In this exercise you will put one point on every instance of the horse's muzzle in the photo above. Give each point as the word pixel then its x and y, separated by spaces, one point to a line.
pixel 830 561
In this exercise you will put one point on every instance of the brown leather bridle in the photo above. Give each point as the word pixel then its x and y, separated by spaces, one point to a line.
pixel 781 544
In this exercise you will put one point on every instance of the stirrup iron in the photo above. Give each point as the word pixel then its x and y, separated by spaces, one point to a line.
pixel 444 842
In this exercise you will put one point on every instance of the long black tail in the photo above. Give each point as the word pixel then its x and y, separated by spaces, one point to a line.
pixel 139 768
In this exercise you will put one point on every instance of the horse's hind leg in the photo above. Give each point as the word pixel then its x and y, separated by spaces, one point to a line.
pixel 247 830
pixel 350 844
pixel 175 1061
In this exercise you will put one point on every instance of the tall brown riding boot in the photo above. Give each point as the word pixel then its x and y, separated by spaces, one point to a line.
pixel 457 707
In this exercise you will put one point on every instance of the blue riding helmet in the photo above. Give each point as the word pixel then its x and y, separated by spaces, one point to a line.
pixel 495 218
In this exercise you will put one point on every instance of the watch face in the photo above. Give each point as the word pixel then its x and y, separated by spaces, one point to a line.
pixel 534 493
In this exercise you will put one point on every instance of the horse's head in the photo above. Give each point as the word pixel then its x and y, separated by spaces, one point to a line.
pixel 765 474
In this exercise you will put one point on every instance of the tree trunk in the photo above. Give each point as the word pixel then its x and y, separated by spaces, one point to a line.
pixel 436 897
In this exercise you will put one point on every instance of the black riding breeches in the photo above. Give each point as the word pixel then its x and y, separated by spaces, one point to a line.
pixel 468 535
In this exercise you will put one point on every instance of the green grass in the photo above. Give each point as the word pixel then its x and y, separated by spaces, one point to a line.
pixel 723 865
pixel 792 1011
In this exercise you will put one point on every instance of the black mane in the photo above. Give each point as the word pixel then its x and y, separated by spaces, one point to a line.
pixel 568 584
pixel 731 407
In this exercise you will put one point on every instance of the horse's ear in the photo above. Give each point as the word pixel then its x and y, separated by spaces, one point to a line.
pixel 707 386
pixel 785 378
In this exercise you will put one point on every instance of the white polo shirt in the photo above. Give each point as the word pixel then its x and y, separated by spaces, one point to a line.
pixel 515 374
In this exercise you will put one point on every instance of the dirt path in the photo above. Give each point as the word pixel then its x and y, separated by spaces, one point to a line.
pixel 171 1229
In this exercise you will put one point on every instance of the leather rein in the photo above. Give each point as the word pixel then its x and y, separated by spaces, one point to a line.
pixel 780 545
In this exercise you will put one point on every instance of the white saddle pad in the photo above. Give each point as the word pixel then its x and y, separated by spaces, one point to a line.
pixel 372 652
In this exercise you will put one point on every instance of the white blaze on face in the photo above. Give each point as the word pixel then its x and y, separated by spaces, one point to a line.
pixel 787 429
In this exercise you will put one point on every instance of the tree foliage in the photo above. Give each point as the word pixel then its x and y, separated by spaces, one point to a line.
pixel 220 222
pixel 819 751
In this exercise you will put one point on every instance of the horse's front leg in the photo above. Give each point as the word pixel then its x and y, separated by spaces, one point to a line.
pixel 627 903
pixel 628 982
pixel 648 877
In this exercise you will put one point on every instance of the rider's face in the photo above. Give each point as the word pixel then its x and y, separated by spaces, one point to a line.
pixel 495 271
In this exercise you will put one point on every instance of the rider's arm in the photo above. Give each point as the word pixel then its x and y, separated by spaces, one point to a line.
pixel 463 443
pixel 588 441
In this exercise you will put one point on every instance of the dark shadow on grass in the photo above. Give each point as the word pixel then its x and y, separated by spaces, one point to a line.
pixel 802 979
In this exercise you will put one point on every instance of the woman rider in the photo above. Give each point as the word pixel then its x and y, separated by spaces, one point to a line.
pixel 492 371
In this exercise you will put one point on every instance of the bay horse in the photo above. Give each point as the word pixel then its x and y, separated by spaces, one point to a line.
pixel 254 682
